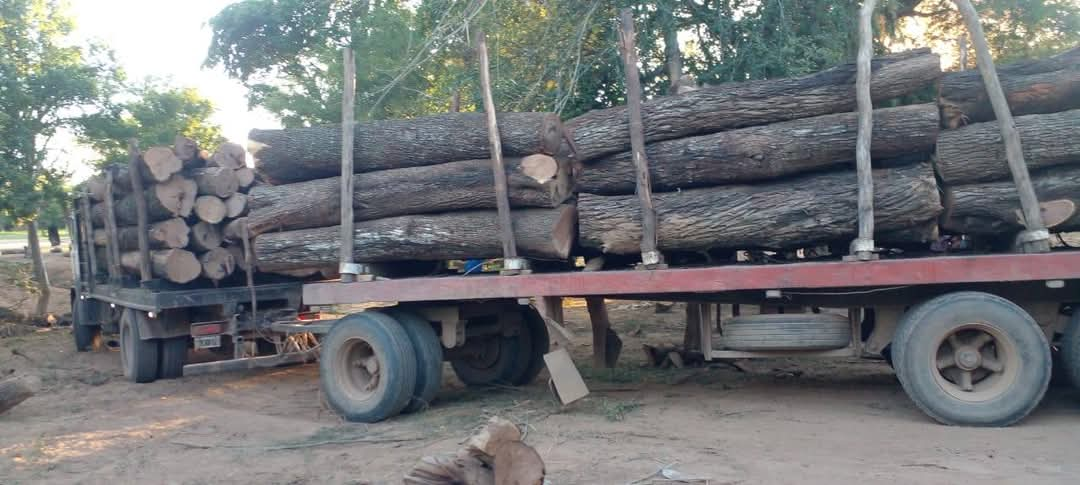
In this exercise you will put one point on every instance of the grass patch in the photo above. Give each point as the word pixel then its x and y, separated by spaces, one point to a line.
pixel 618 410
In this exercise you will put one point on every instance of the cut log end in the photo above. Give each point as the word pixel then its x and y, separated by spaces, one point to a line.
pixel 175 265
pixel 245 177
pixel 236 205
pixel 205 236
pixel 177 195
pixel 161 163
pixel 218 181
pixel 229 155
pixel 186 149
pixel 210 208
pixel 541 168
pixel 217 264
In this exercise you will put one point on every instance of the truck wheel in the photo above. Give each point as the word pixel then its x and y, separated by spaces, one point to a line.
pixel 87 336
pixel 368 367
pixel 539 344
pixel 173 357
pixel 971 358
pixel 429 358
pixel 1070 349
pixel 138 357
pixel 496 359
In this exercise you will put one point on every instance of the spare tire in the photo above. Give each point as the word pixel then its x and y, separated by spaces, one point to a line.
pixel 787 331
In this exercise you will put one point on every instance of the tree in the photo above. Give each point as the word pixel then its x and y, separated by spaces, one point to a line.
pixel 154 116
pixel 47 82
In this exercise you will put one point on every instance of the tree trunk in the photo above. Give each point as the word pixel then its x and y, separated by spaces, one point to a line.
pixel 217 264
pixel 534 181
pixel 245 177
pixel 175 265
pixel 13 392
pixel 737 105
pixel 1031 87
pixel 205 236
pixel 229 155
pixel 975 153
pixel 765 152
pixel 41 275
pixel 540 233
pixel 790 213
pixel 167 234
pixel 991 208
pixel 236 205
pixel 210 208
pixel 294 155
pixel 54 236
pixel 218 181
pixel 174 198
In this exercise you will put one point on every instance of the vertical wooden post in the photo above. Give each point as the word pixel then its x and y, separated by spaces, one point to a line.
pixel 1035 238
pixel 140 211
pixel 862 248
pixel 347 268
pixel 87 234
pixel 695 313
pixel 598 317
pixel 650 256
pixel 112 246
pixel 511 261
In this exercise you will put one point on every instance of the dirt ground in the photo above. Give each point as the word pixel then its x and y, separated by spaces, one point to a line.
pixel 782 421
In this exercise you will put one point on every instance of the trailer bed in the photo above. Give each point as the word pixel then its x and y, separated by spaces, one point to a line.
pixel 150 300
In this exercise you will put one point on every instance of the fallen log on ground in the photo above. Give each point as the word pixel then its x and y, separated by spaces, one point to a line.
pixel 532 181
pixel 975 153
pixel 13 392
pixel 737 105
pixel 765 152
pixel 540 233
pixel 167 234
pixel 993 208
pixel 790 213
pixel 297 154
pixel 173 198
pixel 1033 86
pixel 175 265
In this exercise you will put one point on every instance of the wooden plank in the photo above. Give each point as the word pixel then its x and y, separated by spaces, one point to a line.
pixel 564 374
pixel 112 244
pixel 348 104
pixel 140 212
pixel 88 240
pixel 863 248
pixel 649 254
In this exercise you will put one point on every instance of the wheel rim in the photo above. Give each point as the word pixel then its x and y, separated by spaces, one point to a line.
pixel 975 362
pixel 359 370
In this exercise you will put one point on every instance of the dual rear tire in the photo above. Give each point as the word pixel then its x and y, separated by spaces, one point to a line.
pixel 147 360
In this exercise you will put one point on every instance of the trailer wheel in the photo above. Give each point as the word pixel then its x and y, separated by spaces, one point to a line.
pixel 971 358
pixel 87 336
pixel 173 357
pixel 498 359
pixel 539 344
pixel 138 357
pixel 429 359
pixel 1070 349
pixel 368 367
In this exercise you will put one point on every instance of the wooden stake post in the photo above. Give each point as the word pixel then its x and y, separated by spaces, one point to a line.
pixel 112 244
pixel 87 235
pixel 348 269
pixel 650 256
pixel 862 248
pixel 140 211
pixel 512 264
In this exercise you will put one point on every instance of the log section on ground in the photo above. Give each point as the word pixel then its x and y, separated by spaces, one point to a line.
pixel 764 152
pixel 533 181
pixel 540 233
pixel 217 264
pixel 218 181
pixel 736 105
pixel 975 153
pixel 205 236
pixel 790 213
pixel 175 265
pixel 173 198
pixel 1033 86
pixel 992 207
pixel 167 234
pixel 293 155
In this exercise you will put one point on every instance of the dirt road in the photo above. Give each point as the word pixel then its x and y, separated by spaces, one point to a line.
pixel 781 422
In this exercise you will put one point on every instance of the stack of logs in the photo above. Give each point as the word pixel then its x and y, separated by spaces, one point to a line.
pixel 424 190
pixel 193 199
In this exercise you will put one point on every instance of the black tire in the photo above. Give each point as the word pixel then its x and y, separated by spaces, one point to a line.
pixel 87 336
pixel 385 346
pixel 494 359
pixel 1007 391
pixel 1070 349
pixel 138 357
pixel 539 344
pixel 788 331
pixel 429 359
pixel 174 353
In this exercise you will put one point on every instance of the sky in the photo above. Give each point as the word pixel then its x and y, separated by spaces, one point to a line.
pixel 165 39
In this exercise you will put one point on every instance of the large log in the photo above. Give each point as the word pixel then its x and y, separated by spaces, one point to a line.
pixel 790 213
pixel 534 181
pixel 175 265
pixel 737 105
pixel 975 153
pixel 765 152
pixel 1033 86
pixel 167 234
pixel 992 208
pixel 218 181
pixel 173 198
pixel 13 392
pixel 540 233
pixel 297 154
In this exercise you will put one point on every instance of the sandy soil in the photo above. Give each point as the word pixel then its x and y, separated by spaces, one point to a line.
pixel 783 421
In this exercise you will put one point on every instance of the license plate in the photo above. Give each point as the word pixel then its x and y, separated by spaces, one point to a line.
pixel 208 342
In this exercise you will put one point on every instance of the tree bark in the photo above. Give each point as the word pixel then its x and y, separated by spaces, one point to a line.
pixel 218 181
pixel 540 233
pixel 175 265
pixel 217 264
pixel 13 392
pixel 294 155
pixel 975 153
pixel 41 275
pixel 765 152
pixel 174 198
pixel 205 236
pixel 168 234
pixel 534 181
pixel 1031 87
pixel 790 213
pixel 54 235
pixel 236 205
pixel 210 208
pixel 737 105
pixel 992 208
